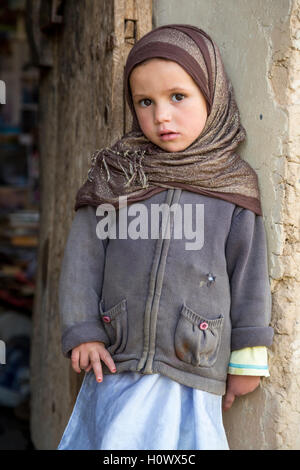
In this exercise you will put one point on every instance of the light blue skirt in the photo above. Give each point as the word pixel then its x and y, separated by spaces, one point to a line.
pixel 131 411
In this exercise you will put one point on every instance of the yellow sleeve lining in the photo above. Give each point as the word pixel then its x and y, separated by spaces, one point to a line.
pixel 249 361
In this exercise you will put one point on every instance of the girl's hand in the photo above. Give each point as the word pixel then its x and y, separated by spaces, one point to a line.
pixel 87 356
pixel 238 385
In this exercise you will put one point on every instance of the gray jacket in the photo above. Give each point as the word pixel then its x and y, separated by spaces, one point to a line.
pixel 159 305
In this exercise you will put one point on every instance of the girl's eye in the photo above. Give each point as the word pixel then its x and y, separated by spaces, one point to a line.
pixel 145 102
pixel 178 97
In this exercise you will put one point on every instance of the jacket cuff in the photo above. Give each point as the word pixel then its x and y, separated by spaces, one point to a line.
pixel 249 361
pixel 251 336
pixel 82 333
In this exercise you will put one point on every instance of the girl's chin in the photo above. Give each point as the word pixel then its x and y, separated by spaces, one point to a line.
pixel 173 147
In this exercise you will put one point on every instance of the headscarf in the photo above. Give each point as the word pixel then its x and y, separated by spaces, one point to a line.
pixel 137 168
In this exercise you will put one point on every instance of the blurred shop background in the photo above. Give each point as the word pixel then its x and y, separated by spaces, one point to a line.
pixel 19 221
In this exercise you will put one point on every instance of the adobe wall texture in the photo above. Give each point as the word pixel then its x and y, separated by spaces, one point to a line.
pixel 260 45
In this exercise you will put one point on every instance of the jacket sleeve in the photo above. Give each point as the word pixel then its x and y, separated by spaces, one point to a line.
pixel 80 283
pixel 247 266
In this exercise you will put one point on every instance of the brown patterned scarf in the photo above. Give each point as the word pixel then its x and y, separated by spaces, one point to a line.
pixel 136 168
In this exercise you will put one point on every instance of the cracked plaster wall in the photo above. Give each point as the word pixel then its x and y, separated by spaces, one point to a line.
pixel 260 44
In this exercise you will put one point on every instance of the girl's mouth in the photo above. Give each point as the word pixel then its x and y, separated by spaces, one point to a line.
pixel 169 136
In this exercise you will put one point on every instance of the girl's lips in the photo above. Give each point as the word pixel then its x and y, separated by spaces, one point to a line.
pixel 170 136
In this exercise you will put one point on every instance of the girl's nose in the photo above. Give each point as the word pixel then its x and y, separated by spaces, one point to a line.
pixel 162 113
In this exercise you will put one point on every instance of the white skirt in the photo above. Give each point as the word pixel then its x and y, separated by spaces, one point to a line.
pixel 131 411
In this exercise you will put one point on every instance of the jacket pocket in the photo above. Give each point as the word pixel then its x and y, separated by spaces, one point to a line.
pixel 115 322
pixel 197 338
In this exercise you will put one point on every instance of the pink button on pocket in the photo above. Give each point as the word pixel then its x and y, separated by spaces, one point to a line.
pixel 203 325
pixel 106 319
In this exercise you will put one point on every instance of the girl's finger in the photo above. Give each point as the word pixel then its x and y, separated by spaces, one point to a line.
pixel 75 361
pixel 228 401
pixel 88 368
pixel 107 359
pixel 96 365
pixel 84 360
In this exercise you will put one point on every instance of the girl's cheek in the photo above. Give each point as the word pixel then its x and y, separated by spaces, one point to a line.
pixel 145 122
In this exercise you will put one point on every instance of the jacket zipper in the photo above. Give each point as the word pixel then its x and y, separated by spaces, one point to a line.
pixel 152 305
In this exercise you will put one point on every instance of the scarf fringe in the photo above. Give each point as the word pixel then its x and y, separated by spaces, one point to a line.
pixel 135 165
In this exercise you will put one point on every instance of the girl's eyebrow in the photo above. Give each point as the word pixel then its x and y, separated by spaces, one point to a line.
pixel 176 88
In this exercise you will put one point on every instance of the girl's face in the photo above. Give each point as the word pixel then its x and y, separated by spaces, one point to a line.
pixel 170 107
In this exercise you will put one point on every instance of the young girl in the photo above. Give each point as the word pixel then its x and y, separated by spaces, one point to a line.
pixel 164 327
